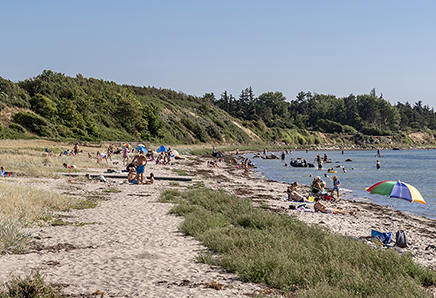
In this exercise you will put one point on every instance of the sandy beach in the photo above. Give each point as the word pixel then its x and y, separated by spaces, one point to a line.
pixel 129 246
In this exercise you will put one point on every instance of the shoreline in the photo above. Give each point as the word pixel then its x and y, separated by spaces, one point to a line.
pixel 350 194
pixel 420 230
pixel 132 246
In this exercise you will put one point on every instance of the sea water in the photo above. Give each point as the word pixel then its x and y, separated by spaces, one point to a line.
pixel 415 167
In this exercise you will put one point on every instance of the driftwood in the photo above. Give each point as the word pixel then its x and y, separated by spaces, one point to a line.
pixel 120 176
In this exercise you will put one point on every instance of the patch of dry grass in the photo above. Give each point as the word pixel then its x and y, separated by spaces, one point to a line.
pixel 34 164
pixel 20 207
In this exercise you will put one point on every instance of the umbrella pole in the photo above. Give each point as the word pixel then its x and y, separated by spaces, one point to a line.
pixel 392 216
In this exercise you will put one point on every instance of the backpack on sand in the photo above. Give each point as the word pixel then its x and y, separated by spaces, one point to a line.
pixel 401 239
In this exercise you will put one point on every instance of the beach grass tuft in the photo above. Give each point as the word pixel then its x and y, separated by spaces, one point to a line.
pixel 20 209
pixel 180 172
pixel 31 286
pixel 284 253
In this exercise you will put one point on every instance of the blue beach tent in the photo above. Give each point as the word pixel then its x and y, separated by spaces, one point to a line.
pixel 141 149
pixel 161 149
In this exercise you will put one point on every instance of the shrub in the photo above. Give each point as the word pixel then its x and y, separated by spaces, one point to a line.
pixel 329 126
pixel 371 130
pixel 34 123
pixel 17 127
pixel 349 129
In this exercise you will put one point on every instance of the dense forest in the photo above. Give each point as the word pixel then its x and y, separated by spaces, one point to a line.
pixel 56 106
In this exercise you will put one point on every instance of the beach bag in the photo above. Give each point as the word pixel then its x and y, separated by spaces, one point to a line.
pixel 401 239
pixel 386 238
pixel 327 198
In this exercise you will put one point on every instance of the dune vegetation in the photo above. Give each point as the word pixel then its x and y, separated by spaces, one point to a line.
pixel 290 256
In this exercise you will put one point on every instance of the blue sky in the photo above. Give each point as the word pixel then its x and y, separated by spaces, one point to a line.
pixel 329 47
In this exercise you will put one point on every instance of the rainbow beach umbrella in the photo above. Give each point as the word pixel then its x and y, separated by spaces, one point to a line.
pixel 397 190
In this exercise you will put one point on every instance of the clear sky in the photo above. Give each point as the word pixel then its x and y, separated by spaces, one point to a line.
pixel 329 47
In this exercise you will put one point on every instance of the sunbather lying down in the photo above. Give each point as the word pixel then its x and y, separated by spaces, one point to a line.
pixel 320 207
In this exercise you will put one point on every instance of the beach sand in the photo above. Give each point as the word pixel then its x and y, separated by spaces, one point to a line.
pixel 129 246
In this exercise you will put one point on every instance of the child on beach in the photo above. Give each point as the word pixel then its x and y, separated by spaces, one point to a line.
pixel 151 181
pixel 336 184
pixel 101 156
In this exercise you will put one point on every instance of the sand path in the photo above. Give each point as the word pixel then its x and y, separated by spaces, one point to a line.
pixel 134 247
pixel 136 250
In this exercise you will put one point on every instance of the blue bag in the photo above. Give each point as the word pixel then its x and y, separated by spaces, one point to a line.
pixel 386 238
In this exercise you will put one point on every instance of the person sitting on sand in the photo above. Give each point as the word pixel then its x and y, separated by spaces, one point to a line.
pixel 131 177
pixel 315 186
pixel 293 194
pixel 322 190
pixel 151 181
pixel 320 207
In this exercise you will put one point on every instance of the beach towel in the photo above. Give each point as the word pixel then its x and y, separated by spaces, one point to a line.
pixel 386 238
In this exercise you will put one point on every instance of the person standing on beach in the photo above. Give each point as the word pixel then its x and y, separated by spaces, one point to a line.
pixel 378 164
pixel 140 161
pixel 126 154
pixel 336 184
pixel 76 148
pixel 246 166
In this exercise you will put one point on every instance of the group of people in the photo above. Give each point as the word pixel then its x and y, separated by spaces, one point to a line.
pixel 164 158
pixel 137 171
pixel 317 186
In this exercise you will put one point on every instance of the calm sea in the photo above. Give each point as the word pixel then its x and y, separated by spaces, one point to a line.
pixel 415 167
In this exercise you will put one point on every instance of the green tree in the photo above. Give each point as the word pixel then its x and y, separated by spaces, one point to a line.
pixel 44 106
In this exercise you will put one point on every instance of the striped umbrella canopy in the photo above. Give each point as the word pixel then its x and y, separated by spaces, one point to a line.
pixel 397 190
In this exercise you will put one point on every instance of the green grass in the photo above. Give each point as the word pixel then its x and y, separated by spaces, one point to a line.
pixel 287 254
pixel 31 286
pixel 113 190
pixel 180 172
pixel 196 184
pixel 89 203
pixel 81 224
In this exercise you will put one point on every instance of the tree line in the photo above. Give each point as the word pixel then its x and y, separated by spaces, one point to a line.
pixel 56 106
pixel 368 113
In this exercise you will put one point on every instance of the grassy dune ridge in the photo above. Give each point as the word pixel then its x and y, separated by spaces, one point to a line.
pixel 286 254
